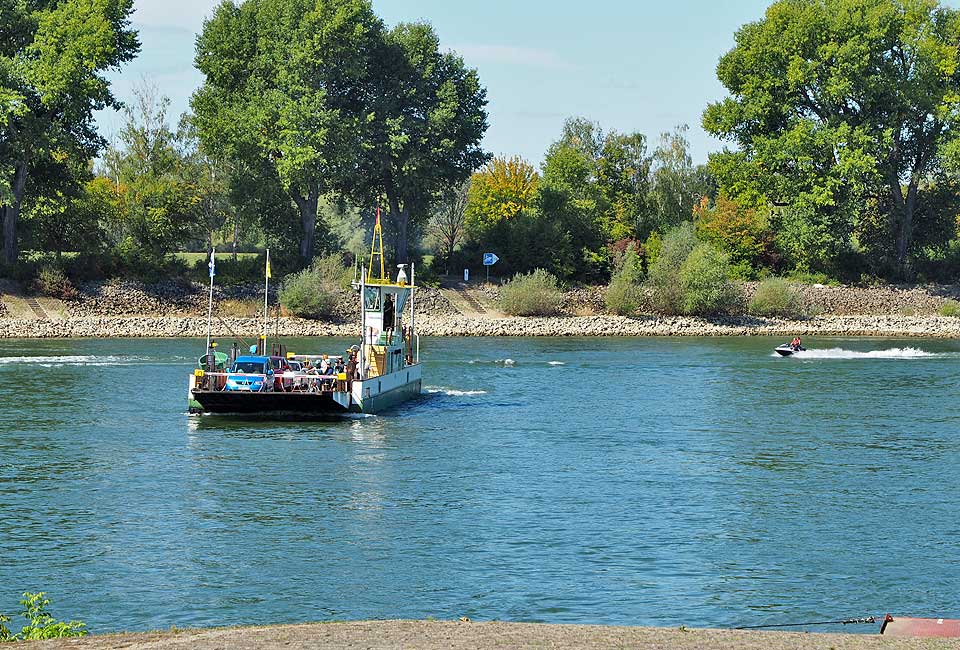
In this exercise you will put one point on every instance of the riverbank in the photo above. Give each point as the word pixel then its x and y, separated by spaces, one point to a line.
pixel 444 635
pixel 567 326
pixel 127 309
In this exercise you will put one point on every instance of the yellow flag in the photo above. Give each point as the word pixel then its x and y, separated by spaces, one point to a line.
pixel 268 266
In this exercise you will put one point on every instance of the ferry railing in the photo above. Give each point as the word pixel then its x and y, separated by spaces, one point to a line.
pixel 289 382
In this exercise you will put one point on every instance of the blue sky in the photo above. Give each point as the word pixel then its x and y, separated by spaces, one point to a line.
pixel 631 65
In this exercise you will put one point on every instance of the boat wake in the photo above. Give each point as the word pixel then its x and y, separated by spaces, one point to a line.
pixel 840 353
pixel 76 360
pixel 452 392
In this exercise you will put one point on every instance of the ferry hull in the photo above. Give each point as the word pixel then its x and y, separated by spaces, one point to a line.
pixel 246 402
pixel 372 396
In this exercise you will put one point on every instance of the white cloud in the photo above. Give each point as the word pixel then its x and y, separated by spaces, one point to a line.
pixel 512 55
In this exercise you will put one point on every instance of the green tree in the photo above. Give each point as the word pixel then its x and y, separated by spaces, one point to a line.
pixel 664 275
pixel 834 100
pixel 284 92
pixel 595 188
pixel 53 56
pixel 161 204
pixel 72 213
pixel 426 118
pixel 676 184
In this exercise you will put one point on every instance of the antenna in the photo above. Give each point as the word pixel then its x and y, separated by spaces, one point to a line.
pixel 377 239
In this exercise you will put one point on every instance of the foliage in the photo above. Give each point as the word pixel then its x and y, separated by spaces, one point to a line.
pixel 53 282
pixel 246 269
pixel 676 184
pixel 532 294
pixel 743 233
pixel 594 189
pixel 314 292
pixel 501 191
pixel 53 56
pixel 832 101
pixel 774 297
pixel 158 203
pixel 704 281
pixel 281 96
pixel 624 294
pixel 423 126
pixel 40 623
pixel 448 221
pixel 664 274
pixel 950 308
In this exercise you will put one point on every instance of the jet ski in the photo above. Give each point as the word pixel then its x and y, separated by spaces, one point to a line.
pixel 786 349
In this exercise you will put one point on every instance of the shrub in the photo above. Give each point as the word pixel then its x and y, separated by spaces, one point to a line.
pixel 531 294
pixel 40 624
pixel 806 277
pixel 247 269
pixel 53 282
pixel 704 281
pixel 950 308
pixel 774 297
pixel 314 291
pixel 664 276
pixel 622 298
pixel 623 295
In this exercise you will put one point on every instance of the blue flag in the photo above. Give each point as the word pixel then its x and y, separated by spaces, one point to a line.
pixel 212 263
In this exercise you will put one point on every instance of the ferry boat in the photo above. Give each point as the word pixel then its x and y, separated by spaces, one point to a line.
pixel 379 372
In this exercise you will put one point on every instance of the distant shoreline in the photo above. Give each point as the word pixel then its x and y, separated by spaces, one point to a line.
pixel 457 326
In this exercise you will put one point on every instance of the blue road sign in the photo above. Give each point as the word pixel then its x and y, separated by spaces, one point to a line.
pixel 489 259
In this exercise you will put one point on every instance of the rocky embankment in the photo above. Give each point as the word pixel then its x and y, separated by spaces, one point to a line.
pixel 127 309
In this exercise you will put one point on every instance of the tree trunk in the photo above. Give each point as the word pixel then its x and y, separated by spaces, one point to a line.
pixel 11 215
pixel 308 219
pixel 402 218
pixel 236 236
pixel 905 206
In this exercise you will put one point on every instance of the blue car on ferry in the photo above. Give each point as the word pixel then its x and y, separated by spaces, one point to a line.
pixel 247 374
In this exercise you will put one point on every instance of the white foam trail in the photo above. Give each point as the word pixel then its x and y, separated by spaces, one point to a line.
pixel 68 360
pixel 452 392
pixel 556 363
pixel 840 353
pixel 506 362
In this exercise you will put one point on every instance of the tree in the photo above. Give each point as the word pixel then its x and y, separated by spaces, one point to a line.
pixel 833 101
pixel 210 175
pixel 161 204
pixel 427 117
pixel 286 92
pixel 676 184
pixel 52 59
pixel 743 233
pixel 503 189
pixel 448 222
pixel 65 210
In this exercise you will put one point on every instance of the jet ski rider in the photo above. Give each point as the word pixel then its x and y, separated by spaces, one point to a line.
pixel 795 344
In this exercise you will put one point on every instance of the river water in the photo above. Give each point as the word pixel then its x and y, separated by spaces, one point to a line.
pixel 698 482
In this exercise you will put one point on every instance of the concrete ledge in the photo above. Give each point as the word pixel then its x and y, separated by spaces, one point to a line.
pixel 442 635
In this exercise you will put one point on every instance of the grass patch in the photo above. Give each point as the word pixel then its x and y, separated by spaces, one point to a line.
pixel 239 308
pixel 950 308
